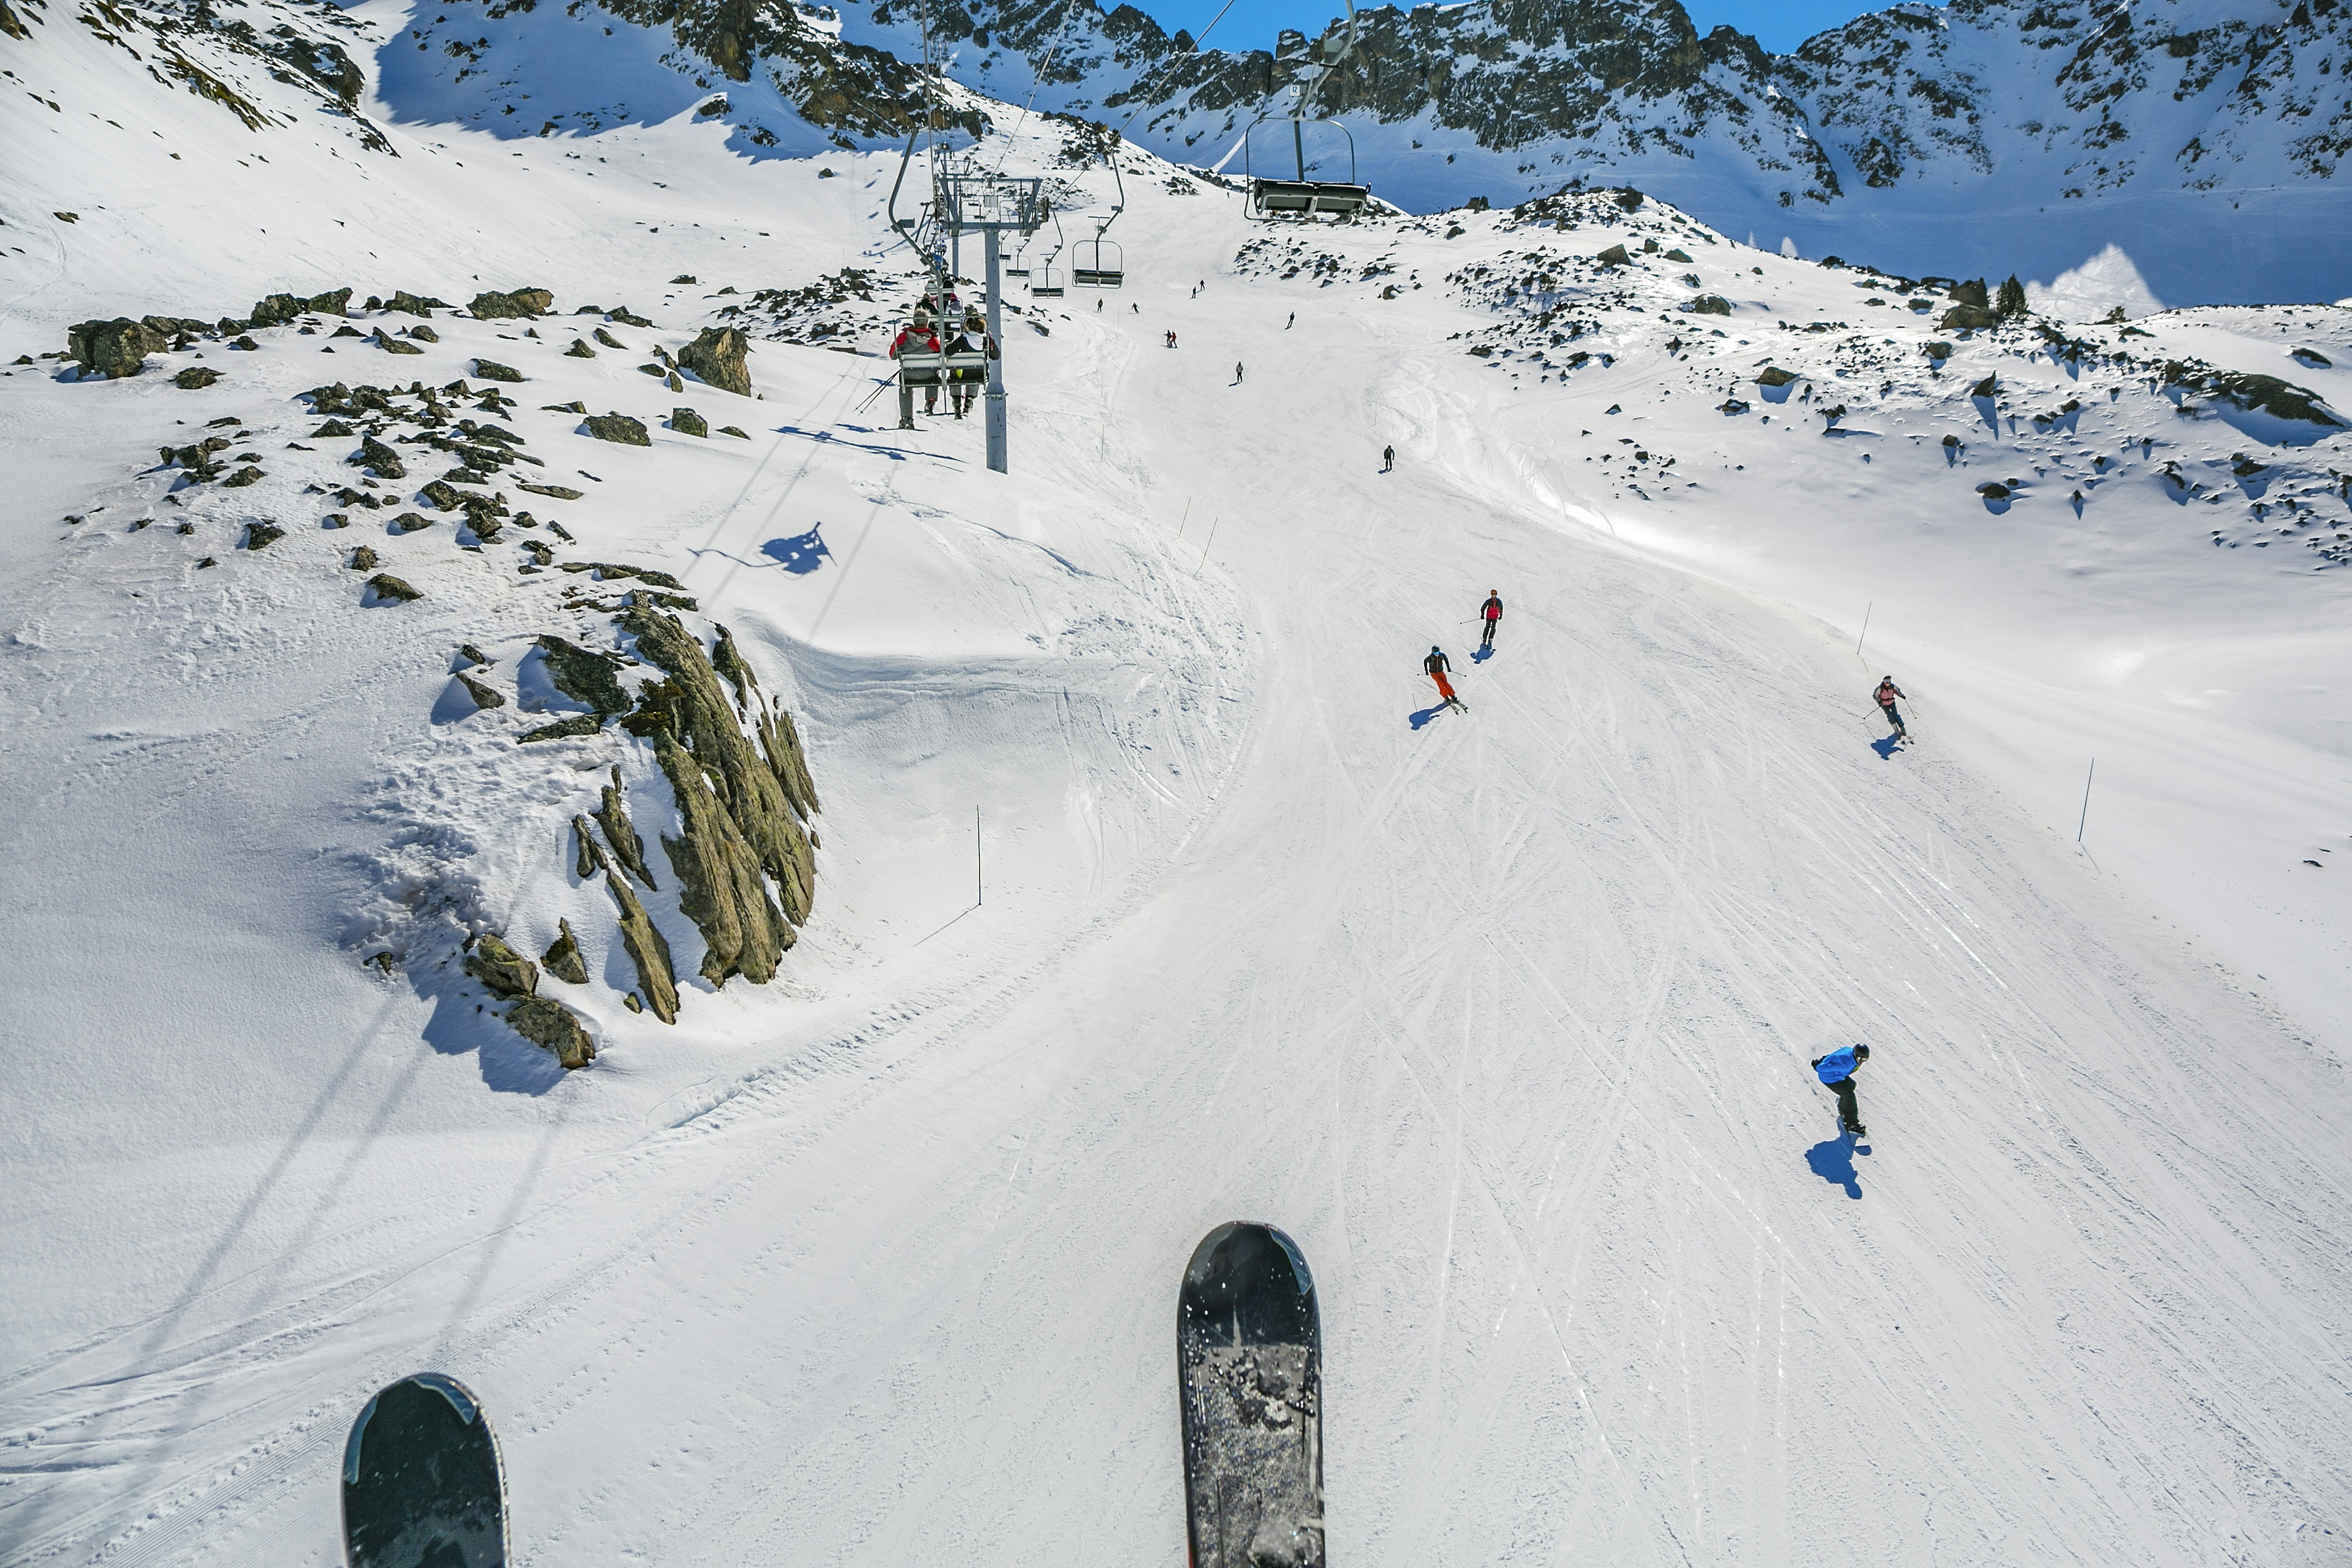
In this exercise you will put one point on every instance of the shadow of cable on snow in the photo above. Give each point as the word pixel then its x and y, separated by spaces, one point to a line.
pixel 1832 1161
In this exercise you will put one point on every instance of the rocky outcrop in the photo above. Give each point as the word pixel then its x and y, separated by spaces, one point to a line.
pixel 721 888
pixel 618 427
pixel 613 816
pixel 562 729
pixel 554 1027
pixel 515 304
pixel 563 958
pixel 500 967
pixel 718 356
pixel 117 348
pixel 483 696
pixel 390 590
pixel 840 86
pixel 381 460
pixel 686 422
pixel 584 676
pixel 196 378
pixel 780 740
pixel 491 370
pixel 648 949
pixel 692 707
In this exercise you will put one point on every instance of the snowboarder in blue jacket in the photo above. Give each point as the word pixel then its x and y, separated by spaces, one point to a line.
pixel 1837 1070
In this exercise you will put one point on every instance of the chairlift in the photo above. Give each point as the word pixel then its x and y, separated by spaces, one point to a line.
pixel 1046 283
pixel 1097 264
pixel 1272 196
pixel 1019 266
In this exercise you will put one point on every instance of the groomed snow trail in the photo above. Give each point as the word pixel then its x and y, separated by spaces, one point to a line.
pixel 1503 1016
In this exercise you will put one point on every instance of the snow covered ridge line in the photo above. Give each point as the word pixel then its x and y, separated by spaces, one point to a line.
pixel 544 688
pixel 223 59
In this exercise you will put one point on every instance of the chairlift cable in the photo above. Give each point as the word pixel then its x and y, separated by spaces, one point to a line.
pixel 1037 80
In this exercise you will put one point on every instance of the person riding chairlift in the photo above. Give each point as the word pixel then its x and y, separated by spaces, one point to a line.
pixel 919 337
pixel 974 338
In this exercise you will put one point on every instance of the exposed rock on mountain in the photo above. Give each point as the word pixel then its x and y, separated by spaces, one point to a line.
pixel 1928 112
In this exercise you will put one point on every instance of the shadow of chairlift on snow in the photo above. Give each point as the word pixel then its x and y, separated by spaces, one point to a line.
pixel 800 555
pixel 1832 1161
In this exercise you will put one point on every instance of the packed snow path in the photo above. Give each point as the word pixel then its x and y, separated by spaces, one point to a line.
pixel 1503 1016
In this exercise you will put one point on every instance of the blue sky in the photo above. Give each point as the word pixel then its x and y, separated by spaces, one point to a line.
pixel 1252 24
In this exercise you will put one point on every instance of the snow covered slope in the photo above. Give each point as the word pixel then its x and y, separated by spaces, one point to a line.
pixel 1504 1015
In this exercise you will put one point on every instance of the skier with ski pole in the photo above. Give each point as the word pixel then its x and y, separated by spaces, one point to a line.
pixel 1886 693
pixel 1437 667
pixel 1491 612
pixel 1837 1070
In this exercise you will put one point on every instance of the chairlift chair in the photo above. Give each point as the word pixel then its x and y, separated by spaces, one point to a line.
pixel 1272 196
pixel 1098 265
pixel 1046 283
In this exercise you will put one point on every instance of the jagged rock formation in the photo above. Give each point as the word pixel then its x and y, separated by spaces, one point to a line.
pixel 718 356
pixel 721 889
pixel 613 816
pixel 584 676
pixel 656 979
pixel 1916 110
pixel 563 958
pixel 619 428
pixel 500 967
pixel 691 707
pixel 552 1026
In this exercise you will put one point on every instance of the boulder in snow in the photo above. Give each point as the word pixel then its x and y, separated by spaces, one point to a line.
pixel 618 427
pixel 718 357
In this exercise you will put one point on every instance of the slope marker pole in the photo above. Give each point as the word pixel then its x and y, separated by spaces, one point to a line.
pixel 1212 538
pixel 2086 800
pixel 1185 519
pixel 1865 627
pixel 979 888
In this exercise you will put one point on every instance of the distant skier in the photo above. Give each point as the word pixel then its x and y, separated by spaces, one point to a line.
pixel 1491 613
pixel 1237 373
pixel 1171 339
pixel 1837 1070
pixel 1292 323
pixel 1886 693
pixel 1135 308
pixel 1437 667
pixel 1387 459
pixel 1098 307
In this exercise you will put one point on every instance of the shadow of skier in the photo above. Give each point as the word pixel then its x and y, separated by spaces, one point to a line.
pixel 1832 1161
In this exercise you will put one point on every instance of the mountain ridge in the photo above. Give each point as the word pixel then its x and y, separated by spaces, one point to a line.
pixel 2094 123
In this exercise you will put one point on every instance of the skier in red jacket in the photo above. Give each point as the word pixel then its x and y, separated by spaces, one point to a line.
pixel 916 337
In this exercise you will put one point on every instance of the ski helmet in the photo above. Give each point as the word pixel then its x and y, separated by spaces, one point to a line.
pixel 1861 1052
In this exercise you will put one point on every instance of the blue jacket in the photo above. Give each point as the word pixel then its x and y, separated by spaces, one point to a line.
pixel 1838 1066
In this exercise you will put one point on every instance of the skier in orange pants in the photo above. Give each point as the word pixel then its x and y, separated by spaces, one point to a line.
pixel 1437 667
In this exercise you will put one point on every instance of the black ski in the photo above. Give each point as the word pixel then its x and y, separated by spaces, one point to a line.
pixel 1249 1367
pixel 422 1483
